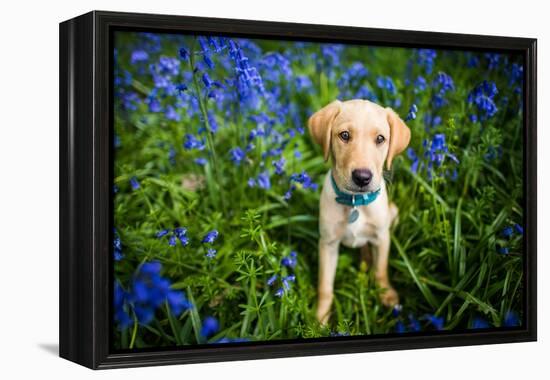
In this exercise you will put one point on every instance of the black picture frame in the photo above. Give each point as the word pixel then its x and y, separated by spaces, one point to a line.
pixel 85 108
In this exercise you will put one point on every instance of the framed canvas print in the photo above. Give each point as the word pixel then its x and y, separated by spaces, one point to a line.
pixel 237 189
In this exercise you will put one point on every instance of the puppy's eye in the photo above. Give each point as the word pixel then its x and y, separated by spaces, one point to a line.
pixel 344 136
pixel 380 139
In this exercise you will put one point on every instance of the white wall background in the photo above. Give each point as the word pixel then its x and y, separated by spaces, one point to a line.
pixel 29 187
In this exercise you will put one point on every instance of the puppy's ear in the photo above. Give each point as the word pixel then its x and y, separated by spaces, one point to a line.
pixel 400 135
pixel 320 125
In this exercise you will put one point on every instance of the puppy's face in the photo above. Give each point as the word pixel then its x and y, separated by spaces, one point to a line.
pixel 360 136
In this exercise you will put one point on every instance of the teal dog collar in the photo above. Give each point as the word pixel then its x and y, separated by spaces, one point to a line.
pixel 353 200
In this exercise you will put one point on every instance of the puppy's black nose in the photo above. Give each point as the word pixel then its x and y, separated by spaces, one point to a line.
pixel 361 177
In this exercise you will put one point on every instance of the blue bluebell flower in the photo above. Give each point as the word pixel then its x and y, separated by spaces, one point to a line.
pixel 211 253
pixel 138 56
pixel 411 115
pixel 426 58
pixel 414 158
pixel 303 83
pixel 208 61
pixel 271 280
pixel 122 308
pixel 177 302
pixel 396 310
pixel 279 166
pixel 232 340
pixel 210 326
pixel 172 156
pixel 181 88
pixel 247 75
pixel 432 120
pixel 179 233
pixel 154 104
pixel 264 181
pixel 473 61
pixel 171 114
pixel 518 228
pixel 147 292
pixel 482 96
pixel 493 153
pixel 493 60
pixel 117 246
pixel 279 292
pixel 437 322
pixel 414 324
pixel 503 250
pixel 274 64
pixel 511 319
pixel 162 233
pixel 291 260
pixel 236 155
pixel 442 83
pixel 200 161
pixel 210 237
pixel 420 84
pixel 400 327
pixel 184 53
pixel 192 142
pixel 516 74
pixel 287 280
pixel 480 323
pixel 251 182
pixel 134 183
pixel 507 232
pixel 386 83
pixel 288 194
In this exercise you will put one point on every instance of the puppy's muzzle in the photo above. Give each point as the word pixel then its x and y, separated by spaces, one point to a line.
pixel 361 177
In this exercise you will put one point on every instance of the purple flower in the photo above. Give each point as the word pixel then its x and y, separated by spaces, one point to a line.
pixel 211 253
pixel 236 155
pixel 271 280
pixel 386 83
pixel 179 233
pixel 210 326
pixel 139 56
pixel 263 181
pixel 291 260
pixel 184 54
pixel 148 291
pixel 426 58
pixel 279 165
pixel 134 183
pixel 437 322
pixel 518 228
pixel 511 319
pixel 192 142
pixel 507 232
pixel 480 323
pixel 201 161
pixel 279 292
pixel 503 250
pixel 162 233
pixel 210 237
pixel 117 247
pixel 412 113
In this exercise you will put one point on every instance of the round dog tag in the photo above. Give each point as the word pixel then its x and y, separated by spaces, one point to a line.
pixel 353 215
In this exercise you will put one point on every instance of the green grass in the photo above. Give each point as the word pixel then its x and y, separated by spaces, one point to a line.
pixel 444 258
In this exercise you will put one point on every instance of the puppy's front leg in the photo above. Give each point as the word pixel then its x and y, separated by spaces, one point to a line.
pixel 328 259
pixel 389 297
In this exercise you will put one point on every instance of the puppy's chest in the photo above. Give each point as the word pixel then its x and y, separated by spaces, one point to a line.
pixel 360 232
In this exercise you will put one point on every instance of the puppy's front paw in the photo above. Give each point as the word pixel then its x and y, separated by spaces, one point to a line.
pixel 389 297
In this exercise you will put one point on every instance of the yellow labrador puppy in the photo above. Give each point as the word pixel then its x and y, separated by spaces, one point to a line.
pixel 354 209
